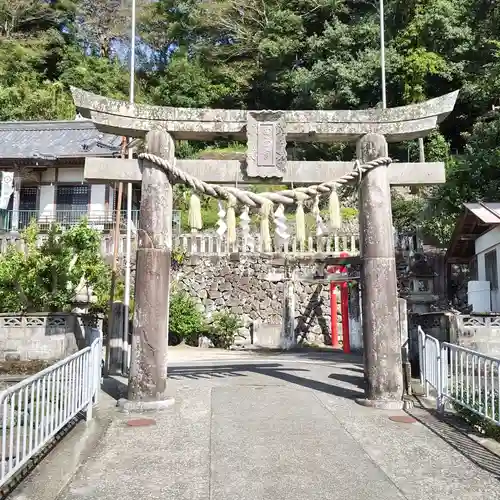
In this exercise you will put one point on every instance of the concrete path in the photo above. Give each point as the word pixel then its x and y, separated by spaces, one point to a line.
pixel 281 427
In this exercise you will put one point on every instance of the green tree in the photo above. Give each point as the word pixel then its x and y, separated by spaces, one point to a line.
pixel 41 54
pixel 45 277
pixel 472 176
pixel 299 54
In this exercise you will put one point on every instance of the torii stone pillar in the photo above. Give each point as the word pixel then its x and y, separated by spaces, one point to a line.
pixel 148 366
pixel 381 339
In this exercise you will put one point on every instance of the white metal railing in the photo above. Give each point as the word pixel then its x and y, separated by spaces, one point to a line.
pixel 466 377
pixel 430 372
pixel 33 411
pixel 472 380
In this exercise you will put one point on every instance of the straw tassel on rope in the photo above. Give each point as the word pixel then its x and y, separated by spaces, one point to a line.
pixel 281 225
pixel 334 210
pixel 231 219
pixel 221 225
pixel 245 229
pixel 265 236
pixel 320 226
pixel 194 214
pixel 300 222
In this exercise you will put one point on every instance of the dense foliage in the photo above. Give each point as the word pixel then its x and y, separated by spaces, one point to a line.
pixel 44 278
pixel 223 329
pixel 187 323
pixel 273 54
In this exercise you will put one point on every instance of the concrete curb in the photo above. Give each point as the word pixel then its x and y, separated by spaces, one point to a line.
pixel 127 406
pixel 53 473
pixel 380 404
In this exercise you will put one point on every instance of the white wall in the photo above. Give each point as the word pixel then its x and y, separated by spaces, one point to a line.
pixel 70 175
pixel 484 244
pixel 49 175
pixel 97 198
pixel 488 240
pixel 47 206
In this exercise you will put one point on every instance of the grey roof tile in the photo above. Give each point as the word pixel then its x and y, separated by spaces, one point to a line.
pixel 55 139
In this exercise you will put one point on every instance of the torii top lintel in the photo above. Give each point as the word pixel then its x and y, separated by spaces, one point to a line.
pixel 396 124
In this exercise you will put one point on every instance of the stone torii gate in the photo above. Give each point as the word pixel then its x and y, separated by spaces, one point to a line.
pixel 266 133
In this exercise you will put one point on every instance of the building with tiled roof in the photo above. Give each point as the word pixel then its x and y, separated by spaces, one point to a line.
pixel 42 174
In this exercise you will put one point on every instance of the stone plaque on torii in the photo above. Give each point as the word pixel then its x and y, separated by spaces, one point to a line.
pixel 266 133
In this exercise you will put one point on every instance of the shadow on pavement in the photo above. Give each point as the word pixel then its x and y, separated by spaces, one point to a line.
pixel 216 371
pixel 454 432
pixel 276 371
pixel 356 380
pixel 114 387
pixel 314 354
pixel 316 385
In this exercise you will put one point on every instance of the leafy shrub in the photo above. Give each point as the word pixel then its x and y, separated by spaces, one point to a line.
pixel 45 277
pixel 178 257
pixel 224 329
pixel 349 213
pixel 185 321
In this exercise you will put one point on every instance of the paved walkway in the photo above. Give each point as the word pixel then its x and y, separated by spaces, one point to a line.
pixel 281 428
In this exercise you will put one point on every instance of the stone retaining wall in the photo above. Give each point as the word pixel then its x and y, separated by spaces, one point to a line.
pixel 252 287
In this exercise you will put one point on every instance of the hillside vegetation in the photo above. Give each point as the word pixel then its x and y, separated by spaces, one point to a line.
pixel 263 54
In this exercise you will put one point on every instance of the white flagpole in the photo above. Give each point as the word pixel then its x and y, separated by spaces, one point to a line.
pixel 128 251
pixel 382 54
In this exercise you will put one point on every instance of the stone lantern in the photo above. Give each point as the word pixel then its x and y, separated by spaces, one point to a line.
pixel 87 326
pixel 83 297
